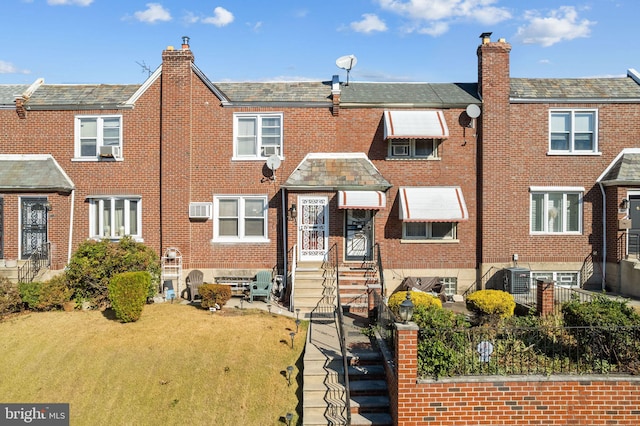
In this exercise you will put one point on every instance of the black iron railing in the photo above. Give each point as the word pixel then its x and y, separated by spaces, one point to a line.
pixel 38 259
pixel 331 267
pixel 385 320
pixel 531 351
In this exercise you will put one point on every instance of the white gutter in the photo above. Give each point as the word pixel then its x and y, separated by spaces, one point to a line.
pixel 284 238
pixel 73 198
pixel 604 236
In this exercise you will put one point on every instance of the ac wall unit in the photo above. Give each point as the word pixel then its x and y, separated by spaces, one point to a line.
pixel 110 151
pixel 199 210
pixel 400 150
pixel 516 280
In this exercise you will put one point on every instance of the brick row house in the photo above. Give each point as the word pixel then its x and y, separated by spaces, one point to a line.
pixel 453 180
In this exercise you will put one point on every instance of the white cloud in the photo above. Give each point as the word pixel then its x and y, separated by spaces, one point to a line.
pixel 221 17
pixel 434 17
pixel 561 24
pixel 154 13
pixel 368 24
pixel 69 2
pixel 9 68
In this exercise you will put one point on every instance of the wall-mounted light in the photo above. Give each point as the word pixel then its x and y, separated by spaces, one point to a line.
pixel 293 212
pixel 624 204
pixel 47 206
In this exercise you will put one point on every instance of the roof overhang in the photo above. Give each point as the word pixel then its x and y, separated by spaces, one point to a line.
pixel 32 173
pixel 432 204
pixel 415 124
pixel 364 200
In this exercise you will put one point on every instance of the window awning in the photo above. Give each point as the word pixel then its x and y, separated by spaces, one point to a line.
pixel 415 124
pixel 366 200
pixel 432 204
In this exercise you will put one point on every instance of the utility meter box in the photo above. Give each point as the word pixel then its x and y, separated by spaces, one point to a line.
pixel 624 224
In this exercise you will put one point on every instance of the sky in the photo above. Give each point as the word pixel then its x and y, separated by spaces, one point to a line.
pixel 121 41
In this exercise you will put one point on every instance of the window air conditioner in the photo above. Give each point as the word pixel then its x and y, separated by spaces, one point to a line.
pixel 400 150
pixel 110 151
pixel 199 210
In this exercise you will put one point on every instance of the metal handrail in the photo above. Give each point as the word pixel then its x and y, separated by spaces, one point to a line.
pixel 332 261
pixel 38 259
pixel 383 291
pixel 473 287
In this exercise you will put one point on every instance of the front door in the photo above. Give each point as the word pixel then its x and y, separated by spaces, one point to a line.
pixel 358 235
pixel 33 223
pixel 634 232
pixel 313 228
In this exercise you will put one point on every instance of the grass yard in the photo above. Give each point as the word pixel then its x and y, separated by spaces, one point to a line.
pixel 177 365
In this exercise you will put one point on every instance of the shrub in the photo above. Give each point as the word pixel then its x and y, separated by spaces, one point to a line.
pixel 95 262
pixel 492 303
pixel 9 297
pixel 53 293
pixel 214 293
pixel 418 298
pixel 600 311
pixel 30 293
pixel 128 294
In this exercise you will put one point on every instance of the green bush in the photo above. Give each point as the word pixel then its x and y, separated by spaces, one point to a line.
pixel 213 294
pixel 9 297
pixel 95 262
pixel 600 311
pixel 492 303
pixel 128 294
pixel 418 298
pixel 30 293
pixel 53 293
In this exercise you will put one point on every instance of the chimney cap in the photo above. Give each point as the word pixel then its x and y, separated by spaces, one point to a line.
pixel 485 37
pixel 185 41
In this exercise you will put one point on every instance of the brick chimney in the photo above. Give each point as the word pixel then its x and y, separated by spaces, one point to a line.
pixel 177 81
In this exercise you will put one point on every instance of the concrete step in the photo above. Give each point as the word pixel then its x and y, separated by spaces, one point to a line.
pixel 371 419
pixel 368 387
pixel 369 404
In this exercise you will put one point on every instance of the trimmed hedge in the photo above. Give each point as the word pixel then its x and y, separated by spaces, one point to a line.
pixel 213 294
pixel 418 298
pixel 128 294
pixel 492 303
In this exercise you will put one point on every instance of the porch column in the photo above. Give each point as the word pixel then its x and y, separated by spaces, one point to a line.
pixel 545 297
pixel 406 354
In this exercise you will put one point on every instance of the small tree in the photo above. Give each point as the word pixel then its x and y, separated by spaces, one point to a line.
pixel 128 294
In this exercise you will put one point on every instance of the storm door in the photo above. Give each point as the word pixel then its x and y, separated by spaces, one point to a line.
pixel 358 234
pixel 33 223
pixel 313 228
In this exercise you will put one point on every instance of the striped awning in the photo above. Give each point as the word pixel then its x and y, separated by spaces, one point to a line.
pixel 432 204
pixel 415 124
pixel 366 200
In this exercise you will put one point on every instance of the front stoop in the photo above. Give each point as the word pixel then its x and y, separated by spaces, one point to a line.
pixel 323 379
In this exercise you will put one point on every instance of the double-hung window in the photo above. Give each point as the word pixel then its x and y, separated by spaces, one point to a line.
pixel 413 148
pixel 573 132
pixel 563 278
pixel 115 217
pixel 429 230
pixel 556 210
pixel 257 135
pixel 240 218
pixel 98 136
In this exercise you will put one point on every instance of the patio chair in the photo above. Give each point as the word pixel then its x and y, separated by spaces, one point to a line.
pixel 194 281
pixel 261 287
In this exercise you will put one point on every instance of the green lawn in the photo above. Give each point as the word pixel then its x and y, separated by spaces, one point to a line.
pixel 177 365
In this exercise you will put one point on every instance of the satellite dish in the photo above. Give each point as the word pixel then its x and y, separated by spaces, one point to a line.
pixel 273 162
pixel 347 63
pixel 473 111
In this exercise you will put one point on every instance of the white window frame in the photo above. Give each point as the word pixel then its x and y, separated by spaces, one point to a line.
pixel 261 150
pixel 100 136
pixel 409 149
pixel 558 277
pixel 109 231
pixel 240 237
pixel 571 132
pixel 450 285
pixel 428 232
pixel 552 215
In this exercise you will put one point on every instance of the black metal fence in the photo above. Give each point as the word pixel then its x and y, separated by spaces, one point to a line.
pixel 385 322
pixel 528 351
pixel 38 259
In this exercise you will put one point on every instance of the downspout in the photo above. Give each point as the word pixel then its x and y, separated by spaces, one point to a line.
pixel 604 235
pixel 73 199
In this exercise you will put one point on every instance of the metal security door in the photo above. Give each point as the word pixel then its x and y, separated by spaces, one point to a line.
pixel 359 234
pixel 313 228
pixel 33 225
